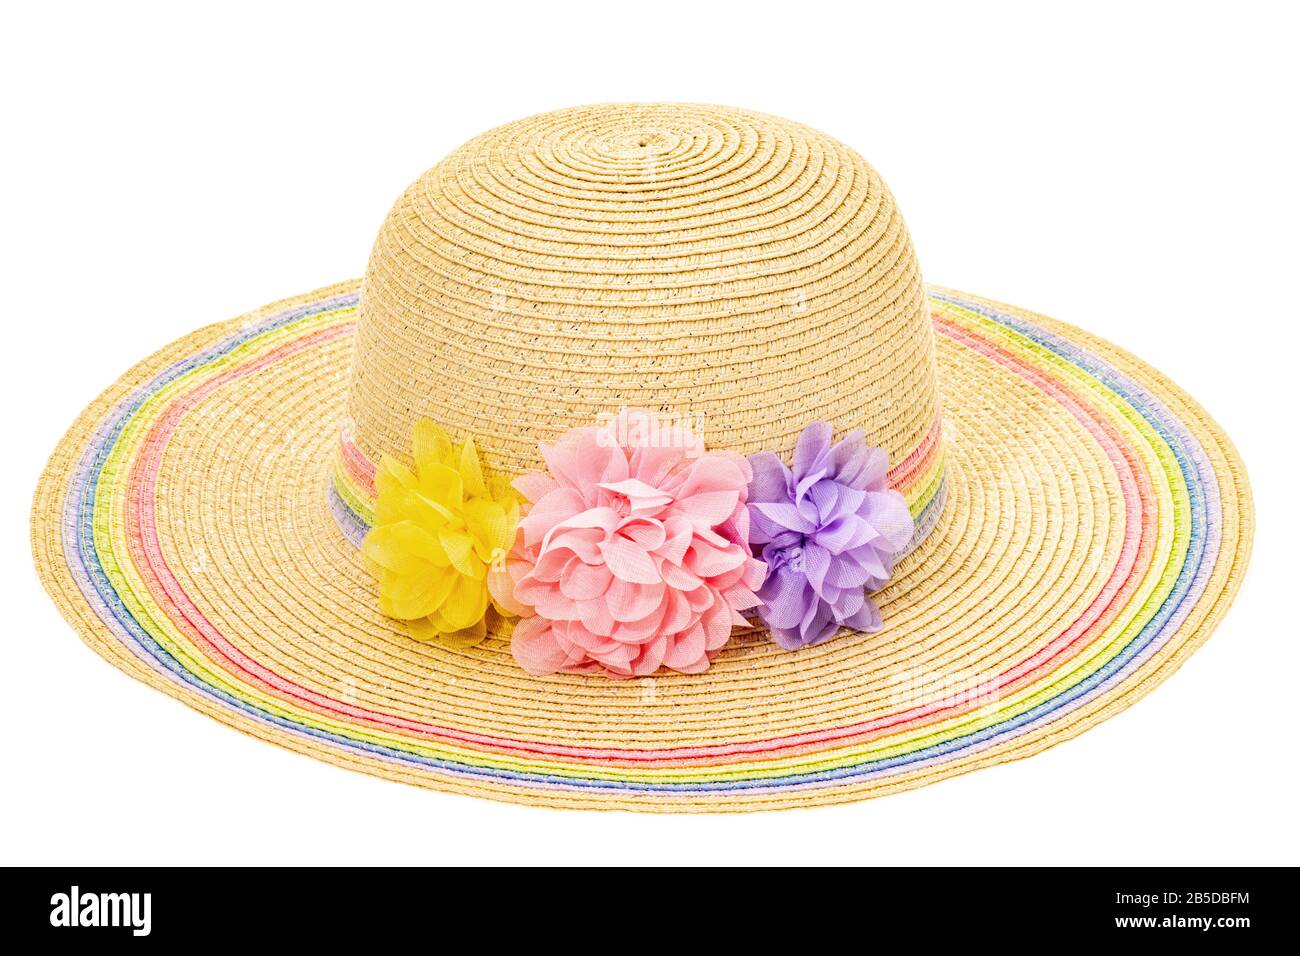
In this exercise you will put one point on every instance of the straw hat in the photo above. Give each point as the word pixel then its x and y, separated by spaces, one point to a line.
pixel 1076 523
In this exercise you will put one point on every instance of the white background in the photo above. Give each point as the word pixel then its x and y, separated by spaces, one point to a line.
pixel 1128 167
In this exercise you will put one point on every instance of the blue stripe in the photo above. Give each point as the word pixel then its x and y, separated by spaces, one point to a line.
pixel 79 509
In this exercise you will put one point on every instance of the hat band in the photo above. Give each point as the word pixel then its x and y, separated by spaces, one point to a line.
pixel 919 477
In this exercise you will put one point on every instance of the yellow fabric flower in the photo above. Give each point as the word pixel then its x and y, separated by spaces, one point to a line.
pixel 439 532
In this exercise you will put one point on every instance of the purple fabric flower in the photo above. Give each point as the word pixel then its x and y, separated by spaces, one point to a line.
pixel 829 530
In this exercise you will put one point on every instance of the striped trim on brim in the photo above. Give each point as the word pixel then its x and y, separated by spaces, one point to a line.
pixel 1174 473
pixel 918 477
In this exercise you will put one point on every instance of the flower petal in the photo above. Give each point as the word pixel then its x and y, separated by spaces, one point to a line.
pixel 685 651
pixel 535 486
pixel 786 598
pixel 501 588
pixel 645 533
pixel 845 534
pixel 470 471
pixel 467 637
pixel 771 481
pixel 535 648
pixel 579 459
pixel 867 618
pixel 466 603
pixel 460 551
pixel 708 508
pixel 846 460
pixel 631 602
pixel 585 582
pixel 392 470
pixel 708 561
pixel 392 545
pixel 888 514
pixel 814 441
pixel 443 485
pixel 783 514
pixel 818 624
pixel 642 497
pixel 629 562
pixel 429 445
pixel 410 598
pixel 486 522
pixel 816 562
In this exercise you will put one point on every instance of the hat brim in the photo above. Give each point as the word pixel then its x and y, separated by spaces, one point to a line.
pixel 1096 526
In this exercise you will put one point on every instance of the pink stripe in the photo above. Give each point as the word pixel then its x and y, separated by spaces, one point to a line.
pixel 361 468
pixel 905 472
pixel 145 552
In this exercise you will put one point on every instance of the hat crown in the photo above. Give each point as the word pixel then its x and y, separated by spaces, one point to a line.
pixel 737 268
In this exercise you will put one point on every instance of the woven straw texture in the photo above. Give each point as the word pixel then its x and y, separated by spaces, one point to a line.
pixel 689 259
pixel 1092 527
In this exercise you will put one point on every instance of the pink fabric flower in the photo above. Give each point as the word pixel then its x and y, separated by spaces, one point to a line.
pixel 633 556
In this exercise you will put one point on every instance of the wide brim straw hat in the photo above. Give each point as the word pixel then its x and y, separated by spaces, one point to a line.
pixel 1080 523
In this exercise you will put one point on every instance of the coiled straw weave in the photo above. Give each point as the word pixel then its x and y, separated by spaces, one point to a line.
pixel 689 259
pixel 1090 523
